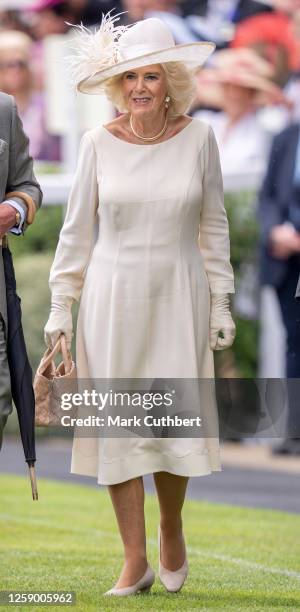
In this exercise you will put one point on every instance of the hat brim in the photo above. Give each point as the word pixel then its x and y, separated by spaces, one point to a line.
pixel 212 80
pixel 194 55
pixel 248 81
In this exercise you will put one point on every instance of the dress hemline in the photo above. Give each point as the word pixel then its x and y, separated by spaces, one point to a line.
pixel 132 466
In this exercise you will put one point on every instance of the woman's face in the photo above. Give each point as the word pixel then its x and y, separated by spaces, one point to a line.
pixel 144 90
pixel 14 73
pixel 237 99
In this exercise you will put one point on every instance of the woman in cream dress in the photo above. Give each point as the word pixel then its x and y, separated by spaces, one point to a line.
pixel 154 285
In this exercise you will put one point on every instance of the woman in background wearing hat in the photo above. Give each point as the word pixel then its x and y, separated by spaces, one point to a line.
pixel 152 302
pixel 239 86
pixel 18 79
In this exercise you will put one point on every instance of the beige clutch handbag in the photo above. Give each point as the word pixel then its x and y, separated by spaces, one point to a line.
pixel 51 381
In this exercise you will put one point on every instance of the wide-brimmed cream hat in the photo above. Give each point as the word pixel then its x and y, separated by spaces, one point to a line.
pixel 241 67
pixel 112 50
pixel 266 91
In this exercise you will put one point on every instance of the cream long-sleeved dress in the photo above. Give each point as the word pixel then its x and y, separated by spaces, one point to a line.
pixel 144 283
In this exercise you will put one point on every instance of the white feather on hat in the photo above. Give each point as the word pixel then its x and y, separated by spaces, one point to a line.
pixel 95 50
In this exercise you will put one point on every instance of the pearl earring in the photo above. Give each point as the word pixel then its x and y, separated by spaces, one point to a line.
pixel 167 100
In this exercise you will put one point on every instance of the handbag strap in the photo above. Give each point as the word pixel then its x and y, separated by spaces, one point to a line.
pixel 48 357
pixel 50 354
pixel 66 355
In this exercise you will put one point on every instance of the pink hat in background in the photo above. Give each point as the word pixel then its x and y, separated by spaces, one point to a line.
pixel 41 5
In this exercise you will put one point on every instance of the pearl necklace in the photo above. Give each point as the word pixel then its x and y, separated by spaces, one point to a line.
pixel 149 137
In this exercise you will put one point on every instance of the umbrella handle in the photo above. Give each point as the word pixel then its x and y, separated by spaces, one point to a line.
pixel 32 476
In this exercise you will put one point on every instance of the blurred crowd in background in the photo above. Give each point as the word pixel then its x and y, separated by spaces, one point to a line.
pixel 250 87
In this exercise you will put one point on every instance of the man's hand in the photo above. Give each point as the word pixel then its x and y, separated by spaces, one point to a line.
pixel 284 241
pixel 7 218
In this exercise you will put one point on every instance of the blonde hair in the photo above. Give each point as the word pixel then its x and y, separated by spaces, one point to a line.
pixel 181 87
pixel 16 42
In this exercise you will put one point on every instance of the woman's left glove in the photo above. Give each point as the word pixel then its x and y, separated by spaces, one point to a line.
pixel 221 321
pixel 60 320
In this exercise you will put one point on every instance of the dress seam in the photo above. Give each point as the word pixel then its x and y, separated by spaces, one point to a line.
pixel 110 327
pixel 184 215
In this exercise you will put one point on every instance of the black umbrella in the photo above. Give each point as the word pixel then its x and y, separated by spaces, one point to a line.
pixel 20 369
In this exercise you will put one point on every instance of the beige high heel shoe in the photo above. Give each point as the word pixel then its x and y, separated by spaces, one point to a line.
pixel 172 581
pixel 144 585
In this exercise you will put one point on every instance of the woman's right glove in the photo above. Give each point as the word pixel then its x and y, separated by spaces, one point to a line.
pixel 221 321
pixel 60 320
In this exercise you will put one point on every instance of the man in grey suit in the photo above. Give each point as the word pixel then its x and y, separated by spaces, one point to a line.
pixel 20 196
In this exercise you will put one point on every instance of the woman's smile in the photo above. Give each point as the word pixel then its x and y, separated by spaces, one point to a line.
pixel 141 101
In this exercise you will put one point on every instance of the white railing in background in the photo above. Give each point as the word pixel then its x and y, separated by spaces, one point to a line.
pixel 56 186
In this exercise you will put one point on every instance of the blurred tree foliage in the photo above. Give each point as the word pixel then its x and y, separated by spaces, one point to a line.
pixel 241 212
pixel 42 236
pixel 241 360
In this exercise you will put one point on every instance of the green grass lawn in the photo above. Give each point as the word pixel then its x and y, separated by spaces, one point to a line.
pixel 240 559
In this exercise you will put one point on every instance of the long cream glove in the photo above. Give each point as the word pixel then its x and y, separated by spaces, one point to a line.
pixel 60 320
pixel 221 321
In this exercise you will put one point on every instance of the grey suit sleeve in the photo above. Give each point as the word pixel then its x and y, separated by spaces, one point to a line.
pixel 21 176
